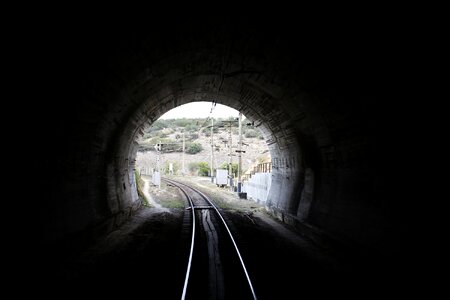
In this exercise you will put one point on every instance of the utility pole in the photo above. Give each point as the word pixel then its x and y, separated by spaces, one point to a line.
pixel 212 149
pixel 182 165
pixel 230 144
pixel 158 164
pixel 230 167
pixel 239 153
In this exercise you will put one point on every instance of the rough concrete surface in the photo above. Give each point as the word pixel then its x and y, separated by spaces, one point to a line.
pixel 150 252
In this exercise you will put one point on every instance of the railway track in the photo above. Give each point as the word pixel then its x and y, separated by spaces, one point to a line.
pixel 215 268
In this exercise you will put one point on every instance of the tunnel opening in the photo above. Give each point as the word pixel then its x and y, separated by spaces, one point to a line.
pixel 287 171
pixel 207 139
pixel 319 141
pixel 319 107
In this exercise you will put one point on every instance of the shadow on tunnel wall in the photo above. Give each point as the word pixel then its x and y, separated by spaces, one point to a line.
pixel 332 83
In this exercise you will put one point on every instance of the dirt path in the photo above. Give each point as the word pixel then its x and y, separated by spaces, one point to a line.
pixel 149 197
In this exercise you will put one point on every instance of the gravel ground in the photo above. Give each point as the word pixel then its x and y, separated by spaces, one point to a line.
pixel 149 253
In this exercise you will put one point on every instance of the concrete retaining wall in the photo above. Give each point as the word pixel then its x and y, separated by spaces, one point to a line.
pixel 258 186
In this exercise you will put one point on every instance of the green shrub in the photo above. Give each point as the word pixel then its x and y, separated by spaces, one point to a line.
pixel 182 122
pixel 234 168
pixel 199 168
pixel 191 128
pixel 159 124
pixel 193 148
pixel 203 169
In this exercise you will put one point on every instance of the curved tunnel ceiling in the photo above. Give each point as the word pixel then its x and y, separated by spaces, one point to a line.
pixel 279 112
pixel 314 96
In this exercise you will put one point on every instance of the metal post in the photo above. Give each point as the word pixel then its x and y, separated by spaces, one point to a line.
pixel 230 145
pixel 159 162
pixel 182 166
pixel 239 153
pixel 230 168
pixel 212 149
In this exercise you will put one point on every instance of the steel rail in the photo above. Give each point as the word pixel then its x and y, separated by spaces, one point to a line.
pixel 188 269
pixel 177 183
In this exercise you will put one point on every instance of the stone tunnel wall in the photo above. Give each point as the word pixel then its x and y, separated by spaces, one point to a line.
pixel 316 106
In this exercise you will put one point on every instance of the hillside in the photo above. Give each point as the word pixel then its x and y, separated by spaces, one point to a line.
pixel 197 134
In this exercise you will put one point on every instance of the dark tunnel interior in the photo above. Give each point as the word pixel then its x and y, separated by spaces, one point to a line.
pixel 320 94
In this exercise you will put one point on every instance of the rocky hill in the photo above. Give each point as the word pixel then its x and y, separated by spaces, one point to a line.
pixel 197 136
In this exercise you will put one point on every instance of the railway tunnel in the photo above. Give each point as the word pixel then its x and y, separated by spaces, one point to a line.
pixel 319 96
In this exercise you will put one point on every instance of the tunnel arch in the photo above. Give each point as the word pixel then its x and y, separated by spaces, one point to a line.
pixel 281 141
pixel 318 110
pixel 289 119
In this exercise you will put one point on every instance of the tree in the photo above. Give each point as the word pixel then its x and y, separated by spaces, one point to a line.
pixel 203 169
pixel 159 124
pixel 234 168
pixel 199 168
pixel 193 148
pixel 191 128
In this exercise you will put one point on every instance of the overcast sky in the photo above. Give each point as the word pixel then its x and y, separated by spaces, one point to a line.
pixel 200 110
